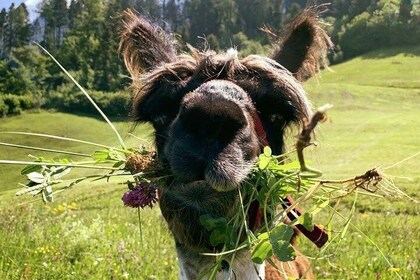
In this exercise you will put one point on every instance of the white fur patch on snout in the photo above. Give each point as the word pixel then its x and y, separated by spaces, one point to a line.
pixel 227 171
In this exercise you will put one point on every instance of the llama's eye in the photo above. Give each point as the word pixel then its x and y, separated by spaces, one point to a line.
pixel 160 120
pixel 276 118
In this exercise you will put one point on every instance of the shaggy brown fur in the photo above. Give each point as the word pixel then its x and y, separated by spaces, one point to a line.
pixel 303 46
pixel 202 106
pixel 148 43
pixel 299 268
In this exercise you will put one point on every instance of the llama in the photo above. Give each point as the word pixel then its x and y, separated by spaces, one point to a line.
pixel 212 113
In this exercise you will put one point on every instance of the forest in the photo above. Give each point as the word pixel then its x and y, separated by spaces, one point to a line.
pixel 84 35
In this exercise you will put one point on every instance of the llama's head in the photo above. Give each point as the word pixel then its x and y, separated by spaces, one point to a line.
pixel 213 112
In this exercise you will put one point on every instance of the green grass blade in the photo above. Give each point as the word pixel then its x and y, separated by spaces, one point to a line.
pixel 64 138
pixel 43 149
pixel 16 162
pixel 347 223
pixel 372 242
pixel 87 96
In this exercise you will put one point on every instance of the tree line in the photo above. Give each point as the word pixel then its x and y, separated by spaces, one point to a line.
pixel 84 35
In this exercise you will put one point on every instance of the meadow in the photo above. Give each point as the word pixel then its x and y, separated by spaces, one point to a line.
pixel 87 233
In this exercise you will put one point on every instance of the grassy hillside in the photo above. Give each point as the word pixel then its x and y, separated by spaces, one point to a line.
pixel 88 234
pixel 375 121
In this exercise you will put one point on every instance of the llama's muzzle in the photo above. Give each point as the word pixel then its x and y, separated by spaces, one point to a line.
pixel 213 137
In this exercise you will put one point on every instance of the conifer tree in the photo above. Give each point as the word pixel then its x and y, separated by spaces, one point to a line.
pixel 3 18
pixel 16 28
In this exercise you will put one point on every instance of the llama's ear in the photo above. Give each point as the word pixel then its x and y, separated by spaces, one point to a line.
pixel 144 45
pixel 304 46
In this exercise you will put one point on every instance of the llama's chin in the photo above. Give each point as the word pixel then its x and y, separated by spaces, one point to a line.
pixel 221 182
pixel 216 178
pixel 222 174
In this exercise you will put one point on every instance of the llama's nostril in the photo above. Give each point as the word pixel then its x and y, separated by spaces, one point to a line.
pixel 200 175
pixel 187 167
pixel 217 120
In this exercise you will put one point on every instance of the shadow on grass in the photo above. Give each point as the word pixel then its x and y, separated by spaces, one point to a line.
pixel 384 53
pixel 124 117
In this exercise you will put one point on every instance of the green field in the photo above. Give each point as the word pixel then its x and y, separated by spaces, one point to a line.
pixel 88 234
pixel 375 121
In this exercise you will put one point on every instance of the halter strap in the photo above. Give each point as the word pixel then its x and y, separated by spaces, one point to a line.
pixel 259 129
pixel 318 235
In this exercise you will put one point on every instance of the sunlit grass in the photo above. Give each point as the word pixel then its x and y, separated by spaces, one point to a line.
pixel 88 234
pixel 375 122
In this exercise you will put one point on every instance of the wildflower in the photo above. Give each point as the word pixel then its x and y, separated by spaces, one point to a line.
pixel 365 216
pixel 394 269
pixel 72 206
pixel 140 196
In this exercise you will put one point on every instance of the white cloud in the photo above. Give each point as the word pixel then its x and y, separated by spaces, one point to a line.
pixel 31 4
pixel 32 7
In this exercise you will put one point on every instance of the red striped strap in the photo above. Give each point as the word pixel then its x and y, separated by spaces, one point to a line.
pixel 259 129
pixel 318 235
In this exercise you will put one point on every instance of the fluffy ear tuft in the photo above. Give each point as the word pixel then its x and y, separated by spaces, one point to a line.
pixel 144 45
pixel 304 46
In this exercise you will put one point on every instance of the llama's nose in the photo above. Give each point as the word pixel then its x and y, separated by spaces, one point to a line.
pixel 213 119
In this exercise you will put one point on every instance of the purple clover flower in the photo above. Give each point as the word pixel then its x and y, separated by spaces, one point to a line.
pixel 140 196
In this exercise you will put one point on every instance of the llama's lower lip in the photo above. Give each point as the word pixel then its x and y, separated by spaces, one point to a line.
pixel 196 182
pixel 203 183
pixel 188 184
pixel 217 188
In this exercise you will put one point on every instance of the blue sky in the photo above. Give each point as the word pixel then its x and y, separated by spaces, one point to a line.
pixel 30 4
pixel 6 3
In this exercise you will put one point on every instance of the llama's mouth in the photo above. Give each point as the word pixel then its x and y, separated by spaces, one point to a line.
pixel 198 195
pixel 224 172
pixel 220 176
pixel 216 184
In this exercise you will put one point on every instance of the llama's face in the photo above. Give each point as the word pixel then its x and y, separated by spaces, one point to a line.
pixel 205 111
pixel 205 108
pixel 206 116
pixel 212 138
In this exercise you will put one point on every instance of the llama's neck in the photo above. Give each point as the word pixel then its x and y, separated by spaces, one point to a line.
pixel 182 206
pixel 192 265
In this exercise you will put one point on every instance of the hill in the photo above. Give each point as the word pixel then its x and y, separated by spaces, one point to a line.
pixel 375 118
pixel 374 123
pixel 59 124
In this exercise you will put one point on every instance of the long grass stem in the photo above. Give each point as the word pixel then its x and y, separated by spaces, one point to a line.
pixel 373 243
pixel 87 96
pixel 43 149
pixel 15 162
pixel 65 139
pixel 140 229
